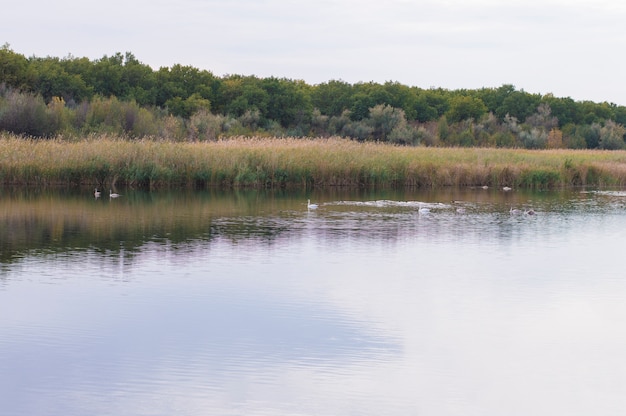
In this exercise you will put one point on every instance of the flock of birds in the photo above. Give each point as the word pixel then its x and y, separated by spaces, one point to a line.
pixel 461 210
pixel 309 205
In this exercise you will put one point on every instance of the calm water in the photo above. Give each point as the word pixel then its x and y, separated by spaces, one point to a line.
pixel 247 303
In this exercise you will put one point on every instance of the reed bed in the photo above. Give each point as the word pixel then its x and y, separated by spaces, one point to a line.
pixel 289 162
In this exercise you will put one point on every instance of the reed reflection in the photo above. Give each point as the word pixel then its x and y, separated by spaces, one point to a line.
pixel 39 222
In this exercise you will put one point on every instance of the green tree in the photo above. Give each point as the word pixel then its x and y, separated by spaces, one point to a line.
pixel 595 112
pixel 108 73
pixel 543 118
pixel 50 79
pixel 289 101
pixel 13 68
pixel 566 110
pixel 518 104
pixel 591 134
pixel 620 115
pixel 239 95
pixel 401 96
pixel 423 108
pixel 178 106
pixel 332 98
pixel 464 108
pixel 366 96
pixel 141 81
pixel 183 81
pixel 494 98
pixel 438 99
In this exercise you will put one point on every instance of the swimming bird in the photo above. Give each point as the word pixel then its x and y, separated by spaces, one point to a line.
pixel 530 212
pixel 424 210
pixel 112 195
pixel 514 211
pixel 97 193
pixel 309 205
pixel 460 210
pixel 506 189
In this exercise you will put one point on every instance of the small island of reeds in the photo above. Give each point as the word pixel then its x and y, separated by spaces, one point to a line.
pixel 105 161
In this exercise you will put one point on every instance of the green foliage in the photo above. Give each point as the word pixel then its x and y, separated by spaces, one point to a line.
pixel 188 106
pixel 26 114
pixel 422 110
pixel 120 95
pixel 332 98
pixel 405 135
pixel 206 126
pixel 612 136
pixel 443 129
pixel 465 108
pixel 540 178
pixel 565 110
pixel 591 134
pixel 384 119
pixel 238 95
pixel 289 102
pixel 360 130
pixel 13 68
pixel 50 79
pixel 504 139
pixel 518 104
pixel 534 138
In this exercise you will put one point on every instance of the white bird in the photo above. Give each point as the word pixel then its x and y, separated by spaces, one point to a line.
pixel 506 189
pixel 513 211
pixel 424 210
pixel 112 195
pixel 309 205
pixel 460 210
pixel 97 193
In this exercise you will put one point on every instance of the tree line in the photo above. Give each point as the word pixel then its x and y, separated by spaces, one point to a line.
pixel 71 96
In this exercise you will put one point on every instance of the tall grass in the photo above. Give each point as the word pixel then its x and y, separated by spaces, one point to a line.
pixel 254 162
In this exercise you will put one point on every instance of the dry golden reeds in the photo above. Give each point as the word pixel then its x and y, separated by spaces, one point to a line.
pixel 291 162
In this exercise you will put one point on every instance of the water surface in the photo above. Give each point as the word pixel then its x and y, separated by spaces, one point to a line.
pixel 248 303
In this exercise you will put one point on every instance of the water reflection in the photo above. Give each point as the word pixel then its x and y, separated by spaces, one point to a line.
pixel 60 220
pixel 248 303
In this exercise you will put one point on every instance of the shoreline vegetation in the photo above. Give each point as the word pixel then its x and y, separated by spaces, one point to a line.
pixel 110 161
pixel 118 95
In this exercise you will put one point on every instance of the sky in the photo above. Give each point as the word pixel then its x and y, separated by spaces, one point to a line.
pixel 569 48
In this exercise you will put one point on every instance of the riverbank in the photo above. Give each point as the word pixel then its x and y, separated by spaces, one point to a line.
pixel 268 163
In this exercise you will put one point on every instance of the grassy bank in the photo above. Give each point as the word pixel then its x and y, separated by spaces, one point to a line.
pixel 109 161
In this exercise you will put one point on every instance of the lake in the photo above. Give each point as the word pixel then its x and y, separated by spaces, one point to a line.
pixel 249 303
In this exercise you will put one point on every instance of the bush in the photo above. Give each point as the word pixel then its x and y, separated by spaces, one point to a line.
pixel 612 136
pixel 206 126
pixel 25 114
pixel 383 119
pixel 404 135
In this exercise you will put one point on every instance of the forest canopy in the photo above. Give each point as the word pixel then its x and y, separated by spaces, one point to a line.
pixel 118 94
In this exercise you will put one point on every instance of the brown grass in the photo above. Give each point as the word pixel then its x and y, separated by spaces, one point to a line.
pixel 263 162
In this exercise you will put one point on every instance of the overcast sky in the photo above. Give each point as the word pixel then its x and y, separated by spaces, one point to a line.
pixel 570 48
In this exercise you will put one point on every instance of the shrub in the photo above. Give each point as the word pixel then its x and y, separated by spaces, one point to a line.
pixel 206 126
pixel 383 119
pixel 612 136
pixel 25 114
